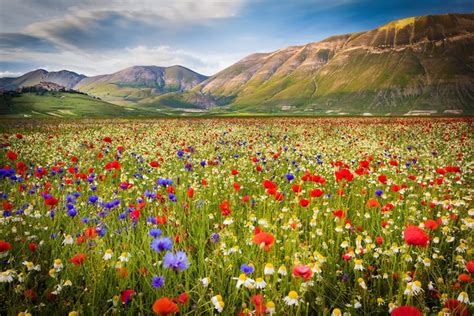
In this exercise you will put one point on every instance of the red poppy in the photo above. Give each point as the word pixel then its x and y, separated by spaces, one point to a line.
pixel 339 213
pixel 266 239
pixel 190 192
pixel 51 201
pixel 416 236
pixel 303 271
pixel 316 193
pixel 279 196
pixel 234 172
pixel 383 179
pixel 78 259
pixel 90 232
pixel 164 306
pixel 154 164
pixel 372 203
pixel 32 246
pixel 344 174
pixel 11 155
pixel 464 278
pixel 456 307
pixel 431 224
pixel 126 295
pixel 182 298
pixel 236 186
pixel 469 266
pixel 304 202
pixel 5 246
pixel 107 139
pixel 260 308
pixel 296 188
pixel 406 311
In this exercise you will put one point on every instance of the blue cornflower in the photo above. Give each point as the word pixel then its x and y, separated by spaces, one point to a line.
pixel 289 176
pixel 155 232
pixel 160 244
pixel 157 282
pixel 378 192
pixel 177 262
pixel 93 199
pixel 247 269
pixel 72 212
pixel 180 153
pixel 215 238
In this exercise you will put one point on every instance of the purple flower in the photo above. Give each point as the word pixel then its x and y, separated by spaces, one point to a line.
pixel 72 212
pixel 157 282
pixel 93 199
pixel 155 232
pixel 177 262
pixel 247 269
pixel 215 238
pixel 161 244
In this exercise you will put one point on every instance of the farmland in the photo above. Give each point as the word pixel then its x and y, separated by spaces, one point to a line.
pixel 284 216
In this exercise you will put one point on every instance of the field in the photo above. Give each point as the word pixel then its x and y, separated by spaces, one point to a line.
pixel 283 216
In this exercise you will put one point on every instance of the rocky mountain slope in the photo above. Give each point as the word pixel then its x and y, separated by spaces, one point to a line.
pixel 421 63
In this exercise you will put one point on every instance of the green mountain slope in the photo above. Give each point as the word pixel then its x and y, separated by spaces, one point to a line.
pixel 138 83
pixel 61 104
pixel 423 63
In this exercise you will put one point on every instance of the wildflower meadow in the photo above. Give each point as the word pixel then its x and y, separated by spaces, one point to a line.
pixel 237 216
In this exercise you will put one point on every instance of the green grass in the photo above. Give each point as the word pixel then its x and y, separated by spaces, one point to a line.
pixel 59 104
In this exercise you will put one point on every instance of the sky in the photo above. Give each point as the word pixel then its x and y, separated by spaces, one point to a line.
pixel 99 37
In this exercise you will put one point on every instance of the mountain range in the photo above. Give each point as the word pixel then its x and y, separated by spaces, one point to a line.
pixel 417 65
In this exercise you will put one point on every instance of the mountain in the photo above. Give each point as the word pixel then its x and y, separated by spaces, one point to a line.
pixel 65 78
pixel 421 63
pixel 125 87
pixel 140 83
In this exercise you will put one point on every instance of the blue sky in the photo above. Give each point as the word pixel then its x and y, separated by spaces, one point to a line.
pixel 96 37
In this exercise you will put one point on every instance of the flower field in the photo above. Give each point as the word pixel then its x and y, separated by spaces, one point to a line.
pixel 282 216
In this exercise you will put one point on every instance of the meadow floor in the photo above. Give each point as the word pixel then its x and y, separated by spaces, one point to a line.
pixel 283 216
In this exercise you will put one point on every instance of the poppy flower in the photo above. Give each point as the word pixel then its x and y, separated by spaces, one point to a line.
pixel 11 155
pixel 164 306
pixel 182 298
pixel 126 295
pixel 154 164
pixel 303 271
pixel 266 239
pixel 339 213
pixel 406 311
pixel 304 202
pixel 78 259
pixel 316 193
pixel 107 139
pixel 296 188
pixel 5 246
pixel 383 179
pixel 431 224
pixel 373 203
pixel 456 307
pixel 469 266
pixel 416 236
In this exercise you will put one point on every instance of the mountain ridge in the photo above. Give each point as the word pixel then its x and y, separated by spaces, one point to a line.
pixel 420 63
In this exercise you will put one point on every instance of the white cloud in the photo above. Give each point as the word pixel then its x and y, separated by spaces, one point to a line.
pixel 106 62
pixel 9 74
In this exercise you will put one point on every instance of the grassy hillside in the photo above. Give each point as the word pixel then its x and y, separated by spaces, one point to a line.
pixel 61 104
pixel 419 63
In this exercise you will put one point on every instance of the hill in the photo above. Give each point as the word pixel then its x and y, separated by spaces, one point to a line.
pixel 421 63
